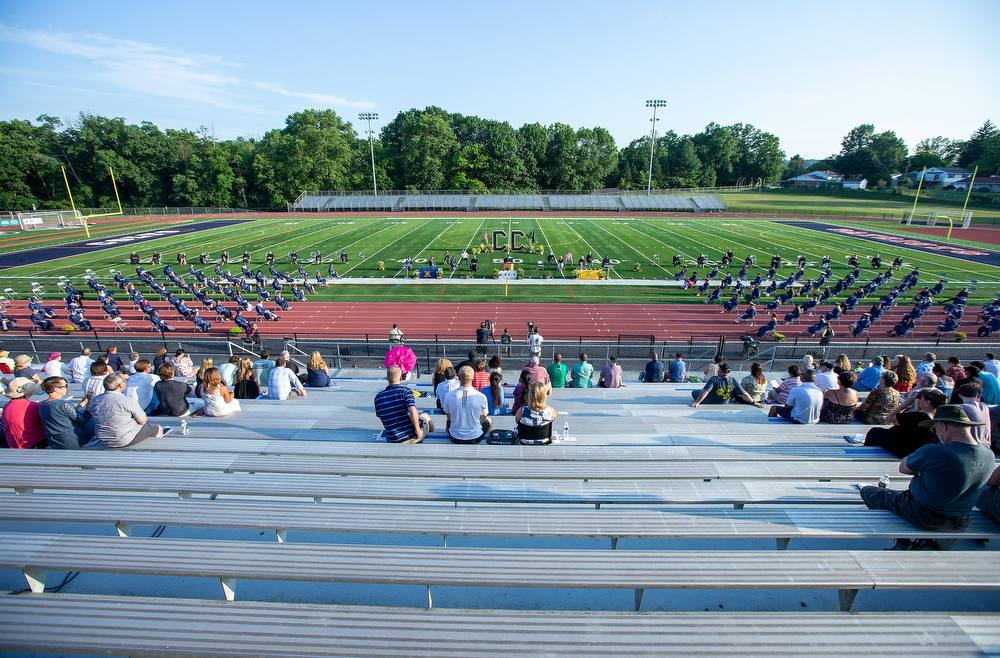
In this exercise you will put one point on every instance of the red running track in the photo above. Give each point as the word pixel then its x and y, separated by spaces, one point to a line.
pixel 460 321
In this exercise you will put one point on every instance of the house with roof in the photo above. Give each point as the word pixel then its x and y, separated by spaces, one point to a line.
pixel 938 178
pixel 982 184
pixel 856 183
pixel 815 179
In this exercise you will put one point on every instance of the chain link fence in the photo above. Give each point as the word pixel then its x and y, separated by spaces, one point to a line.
pixel 368 353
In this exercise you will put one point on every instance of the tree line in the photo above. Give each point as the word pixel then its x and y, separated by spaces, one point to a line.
pixel 425 149
pixel 865 153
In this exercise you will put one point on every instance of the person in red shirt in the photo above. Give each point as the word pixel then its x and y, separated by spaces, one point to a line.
pixel 21 419
pixel 481 377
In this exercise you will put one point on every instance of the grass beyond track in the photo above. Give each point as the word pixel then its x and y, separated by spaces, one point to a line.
pixel 646 242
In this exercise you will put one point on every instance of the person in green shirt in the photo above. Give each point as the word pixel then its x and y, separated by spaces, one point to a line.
pixel 581 373
pixel 557 372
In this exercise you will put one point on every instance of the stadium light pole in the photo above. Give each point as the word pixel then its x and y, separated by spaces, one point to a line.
pixel 369 117
pixel 652 141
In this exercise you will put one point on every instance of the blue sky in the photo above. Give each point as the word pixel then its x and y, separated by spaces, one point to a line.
pixel 808 72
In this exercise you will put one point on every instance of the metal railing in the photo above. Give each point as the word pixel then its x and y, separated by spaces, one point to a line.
pixel 367 352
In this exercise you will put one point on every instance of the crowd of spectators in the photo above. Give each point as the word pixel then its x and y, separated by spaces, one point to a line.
pixel 119 395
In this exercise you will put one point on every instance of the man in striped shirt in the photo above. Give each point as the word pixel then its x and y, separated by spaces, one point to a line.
pixel 396 408
pixel 611 375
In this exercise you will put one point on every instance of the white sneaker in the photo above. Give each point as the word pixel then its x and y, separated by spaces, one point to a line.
pixel 860 485
pixel 856 440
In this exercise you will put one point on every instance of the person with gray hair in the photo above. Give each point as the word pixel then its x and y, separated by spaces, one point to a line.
pixel 927 363
pixel 118 419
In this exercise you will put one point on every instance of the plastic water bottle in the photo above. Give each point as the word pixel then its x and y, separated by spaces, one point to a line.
pixel 565 431
pixel 184 427
pixel 884 481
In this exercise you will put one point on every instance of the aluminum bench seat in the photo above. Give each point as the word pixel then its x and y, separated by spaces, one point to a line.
pixel 184 628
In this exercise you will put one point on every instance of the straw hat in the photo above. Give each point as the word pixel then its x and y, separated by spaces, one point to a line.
pixel 22 360
pixel 20 387
pixel 4 354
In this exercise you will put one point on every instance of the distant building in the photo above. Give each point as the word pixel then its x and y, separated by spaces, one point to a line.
pixel 938 178
pixel 815 179
pixel 858 183
pixel 982 184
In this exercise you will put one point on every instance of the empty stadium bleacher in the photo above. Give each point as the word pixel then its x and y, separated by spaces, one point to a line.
pixel 401 202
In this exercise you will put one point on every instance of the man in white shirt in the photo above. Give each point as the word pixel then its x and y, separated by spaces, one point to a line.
pixel 282 384
pixel 140 385
pixel 79 367
pixel 467 410
pixel 826 377
pixel 927 363
pixel 803 404
pixel 535 342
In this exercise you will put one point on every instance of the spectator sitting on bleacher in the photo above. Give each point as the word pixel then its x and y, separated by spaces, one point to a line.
pixel 803 404
pixel 826 377
pixel 118 420
pixel 538 373
pixel 182 364
pixel 991 387
pixel 468 411
pixel 880 401
pixel 115 362
pixel 282 384
pixel 905 435
pixel 946 479
pixel 534 420
pixel 557 371
pixel 67 425
pixel 720 389
pixel 94 385
pixel 396 407
pixel 581 373
pixel 54 367
pixel 678 369
pixel 969 398
pixel 22 368
pixel 869 377
pixel 140 385
pixel 611 375
pixel 21 420
pixel 779 394
pixel 79 367
pixel 839 403
pixel 653 372
pixel 172 395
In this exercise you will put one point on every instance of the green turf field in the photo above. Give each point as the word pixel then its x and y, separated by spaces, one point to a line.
pixel 629 241
pixel 845 204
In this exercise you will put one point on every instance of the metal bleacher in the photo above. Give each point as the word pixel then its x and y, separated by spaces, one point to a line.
pixel 416 201
pixel 582 202
pixel 510 202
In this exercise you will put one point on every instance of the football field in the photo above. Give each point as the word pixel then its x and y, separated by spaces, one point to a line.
pixel 640 251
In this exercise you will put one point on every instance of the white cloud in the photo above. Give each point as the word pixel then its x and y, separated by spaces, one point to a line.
pixel 323 99
pixel 156 71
